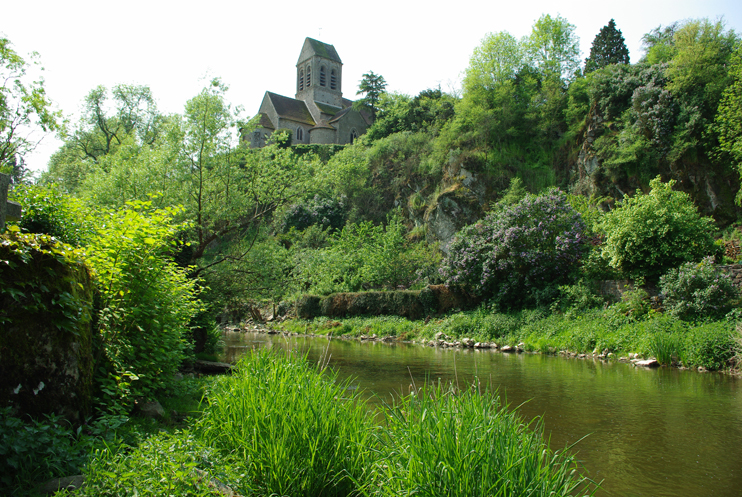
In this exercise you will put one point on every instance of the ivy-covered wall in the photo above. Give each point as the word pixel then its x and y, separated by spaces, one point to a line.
pixel 46 357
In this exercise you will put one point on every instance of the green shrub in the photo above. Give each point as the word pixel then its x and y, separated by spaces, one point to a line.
pixel 49 211
pixel 648 234
pixel 710 345
pixel 294 430
pixel 37 450
pixel 164 464
pixel 146 302
pixel 442 442
pixel 698 290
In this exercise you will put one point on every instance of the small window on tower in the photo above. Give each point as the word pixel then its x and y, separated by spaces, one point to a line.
pixel 333 80
pixel 322 76
pixel 309 76
pixel 301 79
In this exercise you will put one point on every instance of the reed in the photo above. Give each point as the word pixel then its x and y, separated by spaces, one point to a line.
pixel 441 441
pixel 293 428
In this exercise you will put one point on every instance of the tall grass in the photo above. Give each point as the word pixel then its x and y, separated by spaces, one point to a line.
pixel 443 442
pixel 294 430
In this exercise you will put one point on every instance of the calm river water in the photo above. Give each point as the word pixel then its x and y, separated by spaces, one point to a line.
pixel 660 432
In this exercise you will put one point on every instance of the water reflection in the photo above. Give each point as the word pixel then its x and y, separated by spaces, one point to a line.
pixel 645 432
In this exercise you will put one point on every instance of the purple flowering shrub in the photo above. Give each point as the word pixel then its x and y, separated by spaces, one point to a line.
pixel 698 290
pixel 519 254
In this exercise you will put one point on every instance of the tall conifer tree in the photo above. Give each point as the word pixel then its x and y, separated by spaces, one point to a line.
pixel 609 47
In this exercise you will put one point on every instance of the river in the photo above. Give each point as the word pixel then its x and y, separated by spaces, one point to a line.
pixel 659 432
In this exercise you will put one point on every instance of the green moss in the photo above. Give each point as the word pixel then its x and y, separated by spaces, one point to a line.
pixel 46 361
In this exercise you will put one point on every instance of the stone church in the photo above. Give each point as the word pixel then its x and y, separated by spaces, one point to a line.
pixel 318 113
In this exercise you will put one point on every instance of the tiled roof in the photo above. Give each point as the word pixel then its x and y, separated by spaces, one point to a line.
pixel 265 121
pixel 327 108
pixel 324 50
pixel 290 108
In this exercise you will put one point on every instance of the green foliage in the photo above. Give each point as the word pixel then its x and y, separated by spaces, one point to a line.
pixel 363 256
pixel 372 86
pixel 164 464
pixel 33 451
pixel 729 116
pixel 519 254
pixel 146 301
pixel 35 271
pixel 24 110
pixel 428 111
pixel 291 427
pixel 554 48
pixel 648 234
pixel 698 290
pixel 608 47
pixel 49 211
pixel 439 441
pixel 710 345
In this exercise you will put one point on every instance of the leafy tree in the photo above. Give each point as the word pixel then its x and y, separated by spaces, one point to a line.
pixel 372 86
pixel 24 109
pixel 608 47
pixel 133 121
pixel 659 44
pixel 649 234
pixel 496 61
pixel 729 116
pixel 553 47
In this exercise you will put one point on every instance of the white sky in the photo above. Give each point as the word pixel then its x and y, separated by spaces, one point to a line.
pixel 253 46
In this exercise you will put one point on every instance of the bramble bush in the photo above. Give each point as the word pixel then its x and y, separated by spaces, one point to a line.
pixel 698 290
pixel 519 254
pixel 649 234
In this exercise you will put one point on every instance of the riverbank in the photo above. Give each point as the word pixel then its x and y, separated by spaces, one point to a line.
pixel 282 425
pixel 601 334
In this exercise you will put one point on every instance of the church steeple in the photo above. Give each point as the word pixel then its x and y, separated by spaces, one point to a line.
pixel 319 74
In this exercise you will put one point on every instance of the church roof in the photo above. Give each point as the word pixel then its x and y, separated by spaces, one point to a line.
pixel 327 108
pixel 290 108
pixel 314 47
pixel 265 121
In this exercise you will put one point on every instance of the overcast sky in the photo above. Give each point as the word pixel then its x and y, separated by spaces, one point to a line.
pixel 254 46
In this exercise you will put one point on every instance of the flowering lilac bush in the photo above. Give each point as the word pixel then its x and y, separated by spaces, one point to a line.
pixel 698 290
pixel 519 254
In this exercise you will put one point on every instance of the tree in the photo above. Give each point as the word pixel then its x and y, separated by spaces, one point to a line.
pixel 553 47
pixel 496 61
pixel 729 115
pixel 24 109
pixel 659 44
pixel 609 47
pixel 372 85
pixel 133 120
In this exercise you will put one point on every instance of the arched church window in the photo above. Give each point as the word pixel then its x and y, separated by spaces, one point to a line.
pixel 353 135
pixel 309 76
pixel 322 76
pixel 299 134
pixel 301 79
pixel 333 80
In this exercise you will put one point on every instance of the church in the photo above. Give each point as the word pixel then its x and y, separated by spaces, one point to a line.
pixel 318 113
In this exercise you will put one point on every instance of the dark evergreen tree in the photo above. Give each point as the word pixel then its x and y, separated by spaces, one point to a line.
pixel 609 47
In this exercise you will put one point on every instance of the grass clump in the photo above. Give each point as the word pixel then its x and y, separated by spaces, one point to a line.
pixel 440 441
pixel 290 426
